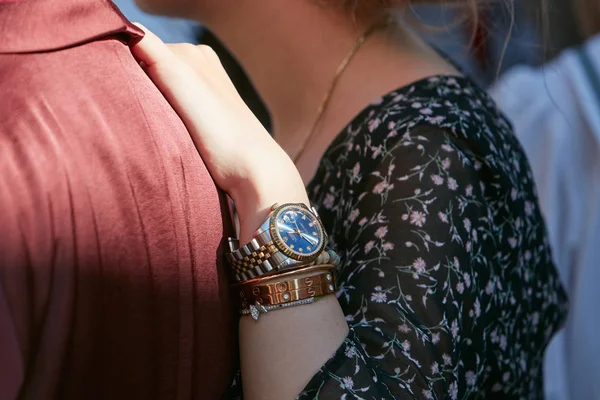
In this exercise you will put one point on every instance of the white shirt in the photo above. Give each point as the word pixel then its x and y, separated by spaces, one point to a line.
pixel 556 114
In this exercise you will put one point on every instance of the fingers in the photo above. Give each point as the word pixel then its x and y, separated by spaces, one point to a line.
pixel 151 50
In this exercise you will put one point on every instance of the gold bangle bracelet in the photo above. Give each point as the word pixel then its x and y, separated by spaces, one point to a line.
pixel 290 284
pixel 293 295
pixel 291 290
pixel 293 272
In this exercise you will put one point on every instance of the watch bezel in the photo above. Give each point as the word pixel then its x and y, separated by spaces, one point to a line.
pixel 282 246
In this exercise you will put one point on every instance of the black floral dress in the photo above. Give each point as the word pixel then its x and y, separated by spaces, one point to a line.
pixel 447 281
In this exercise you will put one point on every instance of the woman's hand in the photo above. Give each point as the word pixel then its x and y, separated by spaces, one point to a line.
pixel 247 163
pixel 240 154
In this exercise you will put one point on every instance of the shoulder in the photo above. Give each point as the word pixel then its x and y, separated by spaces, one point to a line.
pixel 441 141
pixel 431 115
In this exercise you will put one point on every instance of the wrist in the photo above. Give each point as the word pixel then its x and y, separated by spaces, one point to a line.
pixel 254 197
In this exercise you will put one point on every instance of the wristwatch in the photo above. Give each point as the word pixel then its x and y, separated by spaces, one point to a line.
pixel 292 236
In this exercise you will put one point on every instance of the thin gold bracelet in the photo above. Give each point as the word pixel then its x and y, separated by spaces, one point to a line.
pixel 255 310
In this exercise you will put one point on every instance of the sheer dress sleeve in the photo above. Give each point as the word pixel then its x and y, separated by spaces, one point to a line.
pixel 428 280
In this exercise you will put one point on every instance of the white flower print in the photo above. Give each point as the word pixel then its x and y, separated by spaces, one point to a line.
pixel 404 328
pixel 374 124
pixel 447 359
pixel 528 208
pixel 503 342
pixel 469 190
pixel 417 218
pixel 447 148
pixel 435 368
pixel 452 184
pixel 436 120
pixel 419 265
pixel 380 187
pixel 354 215
pixel 456 262
pixel 460 287
pixel 443 217
pixel 494 336
pixel 467 279
pixel 454 329
pixel 535 318
pixel 467 224
pixel 427 395
pixel 435 338
pixel 438 180
pixel 378 297
pixel 388 246
pixel 329 200
pixel 381 232
pixel 376 152
pixel 369 246
pixel 477 308
pixel 350 351
pixel 347 383
pixel 446 163
pixel 453 391
pixel 489 288
pixel 470 377
pixel 406 345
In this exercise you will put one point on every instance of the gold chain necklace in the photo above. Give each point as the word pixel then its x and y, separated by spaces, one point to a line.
pixel 338 73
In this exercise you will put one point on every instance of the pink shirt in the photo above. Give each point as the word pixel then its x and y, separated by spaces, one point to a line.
pixel 111 284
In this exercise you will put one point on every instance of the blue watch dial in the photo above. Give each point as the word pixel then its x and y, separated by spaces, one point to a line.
pixel 300 231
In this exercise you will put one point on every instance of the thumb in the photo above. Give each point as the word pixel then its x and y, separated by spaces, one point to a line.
pixel 170 75
pixel 151 50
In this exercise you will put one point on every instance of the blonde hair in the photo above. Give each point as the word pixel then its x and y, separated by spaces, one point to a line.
pixel 369 10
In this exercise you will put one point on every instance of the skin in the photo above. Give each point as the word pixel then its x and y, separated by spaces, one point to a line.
pixel 291 50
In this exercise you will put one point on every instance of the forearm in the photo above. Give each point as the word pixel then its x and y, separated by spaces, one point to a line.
pixel 285 348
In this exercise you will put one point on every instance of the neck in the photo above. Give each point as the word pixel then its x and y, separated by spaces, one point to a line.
pixel 290 63
pixel 291 51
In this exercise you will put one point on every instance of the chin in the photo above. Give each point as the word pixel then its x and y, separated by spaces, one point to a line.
pixel 171 8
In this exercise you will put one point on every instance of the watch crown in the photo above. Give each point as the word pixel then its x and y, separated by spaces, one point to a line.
pixel 274 206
